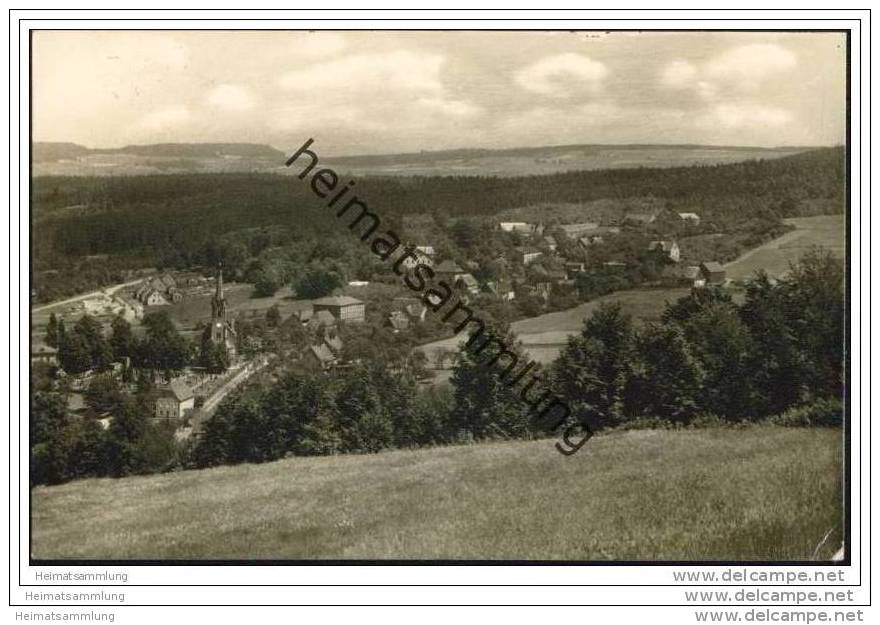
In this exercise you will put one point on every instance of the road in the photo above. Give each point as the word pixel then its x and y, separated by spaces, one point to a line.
pixel 110 290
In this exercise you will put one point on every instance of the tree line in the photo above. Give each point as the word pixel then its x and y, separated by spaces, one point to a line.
pixel 709 359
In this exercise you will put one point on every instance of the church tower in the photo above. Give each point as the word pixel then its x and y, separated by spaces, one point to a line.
pixel 222 331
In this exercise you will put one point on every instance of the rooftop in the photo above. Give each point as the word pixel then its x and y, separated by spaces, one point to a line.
pixel 337 300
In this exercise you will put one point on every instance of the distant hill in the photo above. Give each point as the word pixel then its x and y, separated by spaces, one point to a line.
pixel 70 159
pixel 43 152
pixel 549 159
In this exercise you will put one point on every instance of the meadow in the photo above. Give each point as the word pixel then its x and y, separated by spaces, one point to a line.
pixel 753 493
pixel 774 257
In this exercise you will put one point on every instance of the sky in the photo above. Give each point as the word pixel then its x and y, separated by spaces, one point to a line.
pixel 371 92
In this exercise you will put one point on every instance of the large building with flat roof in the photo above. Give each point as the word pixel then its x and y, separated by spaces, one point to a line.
pixel 342 307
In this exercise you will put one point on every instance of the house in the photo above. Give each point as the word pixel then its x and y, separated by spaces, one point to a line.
pixel 520 226
pixel 692 217
pixel 304 316
pixel 640 219
pixel 154 298
pixel 550 242
pixel 321 356
pixel 500 289
pixel 397 321
pixel 682 272
pixel 425 250
pixel 574 231
pixel 468 283
pixel 333 342
pixel 174 400
pixel 573 268
pixel 342 307
pixel 449 270
pixel 44 353
pixel 712 272
pixel 669 248
pixel 556 276
pixel 528 255
pixel 129 309
pixel 412 307
pixel 158 291
pixel 590 241
pixel 321 319
pixel 614 265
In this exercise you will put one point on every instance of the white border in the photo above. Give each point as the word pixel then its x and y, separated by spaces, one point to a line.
pixel 398 575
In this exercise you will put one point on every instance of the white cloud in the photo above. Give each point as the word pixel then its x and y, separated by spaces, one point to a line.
pixel 751 63
pixel 553 75
pixel 678 74
pixel 745 116
pixel 163 119
pixel 229 97
pixel 386 72
pixel 449 108
pixel 321 44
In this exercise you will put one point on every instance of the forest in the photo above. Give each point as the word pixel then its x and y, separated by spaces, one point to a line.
pixel 86 231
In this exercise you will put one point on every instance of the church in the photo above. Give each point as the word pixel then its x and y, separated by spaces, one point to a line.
pixel 222 329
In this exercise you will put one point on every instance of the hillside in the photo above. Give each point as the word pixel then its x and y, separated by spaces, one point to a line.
pixel 765 494
pixel 548 159
pixel 69 159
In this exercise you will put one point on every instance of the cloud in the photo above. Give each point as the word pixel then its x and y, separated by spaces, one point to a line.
pixel 555 75
pixel 320 44
pixel 751 63
pixel 379 72
pixel 231 98
pixel 738 69
pixel 678 74
pixel 738 116
pixel 163 119
pixel 449 108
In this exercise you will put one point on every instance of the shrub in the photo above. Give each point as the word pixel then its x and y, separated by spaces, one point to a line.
pixel 822 413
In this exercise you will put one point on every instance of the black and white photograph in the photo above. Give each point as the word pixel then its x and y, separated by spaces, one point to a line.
pixel 438 296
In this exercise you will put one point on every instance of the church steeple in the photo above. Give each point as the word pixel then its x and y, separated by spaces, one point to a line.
pixel 219 293
pixel 218 303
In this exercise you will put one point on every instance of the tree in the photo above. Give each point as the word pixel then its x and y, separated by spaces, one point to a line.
pixel 273 316
pixel 721 343
pixel 103 394
pixel 484 405
pixel 267 282
pixel 213 356
pixel 92 333
pixel 777 364
pixel 594 367
pixel 122 341
pixel 817 284
pixel 317 281
pixel 74 354
pixel 48 416
pixel 666 377
pixel 163 348
pixel 52 331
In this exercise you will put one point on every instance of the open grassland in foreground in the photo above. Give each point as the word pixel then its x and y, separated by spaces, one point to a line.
pixel 759 493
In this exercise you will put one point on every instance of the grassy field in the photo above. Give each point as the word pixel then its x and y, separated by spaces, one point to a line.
pixel 775 256
pixel 760 493
pixel 543 336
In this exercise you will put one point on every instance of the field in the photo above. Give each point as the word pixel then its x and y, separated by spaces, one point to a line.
pixel 543 336
pixel 510 162
pixel 759 493
pixel 547 160
pixel 775 256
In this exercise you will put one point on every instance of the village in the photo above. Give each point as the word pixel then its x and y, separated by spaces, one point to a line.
pixel 545 267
